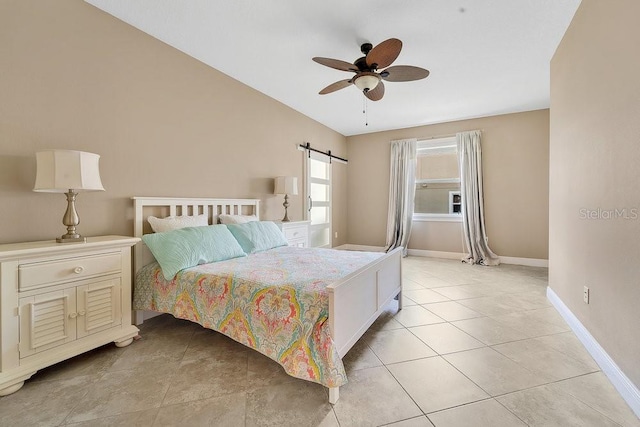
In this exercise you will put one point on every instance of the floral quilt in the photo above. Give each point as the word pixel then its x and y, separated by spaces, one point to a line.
pixel 275 302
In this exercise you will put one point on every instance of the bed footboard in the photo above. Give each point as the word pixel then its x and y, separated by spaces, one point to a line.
pixel 334 395
pixel 357 300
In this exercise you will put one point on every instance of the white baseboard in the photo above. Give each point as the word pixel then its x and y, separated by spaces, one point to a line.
pixel 530 262
pixel 350 247
pixel 620 381
pixel 434 254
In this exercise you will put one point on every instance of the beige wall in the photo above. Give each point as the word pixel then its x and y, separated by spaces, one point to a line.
pixel 74 77
pixel 595 158
pixel 515 161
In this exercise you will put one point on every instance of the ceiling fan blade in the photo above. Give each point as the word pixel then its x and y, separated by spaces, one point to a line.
pixel 384 54
pixel 335 86
pixel 404 73
pixel 376 93
pixel 336 63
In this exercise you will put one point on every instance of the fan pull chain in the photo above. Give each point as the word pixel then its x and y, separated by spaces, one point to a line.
pixel 365 111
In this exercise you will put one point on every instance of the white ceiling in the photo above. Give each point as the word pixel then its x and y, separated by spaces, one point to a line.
pixel 486 57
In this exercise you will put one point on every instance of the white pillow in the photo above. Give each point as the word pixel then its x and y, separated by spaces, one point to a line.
pixel 257 236
pixel 169 223
pixel 237 219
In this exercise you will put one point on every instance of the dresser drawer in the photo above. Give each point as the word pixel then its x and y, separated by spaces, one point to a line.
pixel 65 269
pixel 293 233
pixel 298 243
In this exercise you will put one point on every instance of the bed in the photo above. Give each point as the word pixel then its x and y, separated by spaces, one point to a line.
pixel 325 299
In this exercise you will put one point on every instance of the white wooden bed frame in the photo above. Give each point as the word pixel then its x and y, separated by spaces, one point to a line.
pixel 355 301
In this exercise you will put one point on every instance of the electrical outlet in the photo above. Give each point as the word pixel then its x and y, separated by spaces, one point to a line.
pixel 335 234
pixel 585 295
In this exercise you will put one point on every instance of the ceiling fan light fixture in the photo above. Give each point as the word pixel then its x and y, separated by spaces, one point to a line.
pixel 366 82
pixel 371 69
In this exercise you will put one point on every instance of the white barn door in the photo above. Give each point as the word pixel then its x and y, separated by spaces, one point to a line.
pixel 318 190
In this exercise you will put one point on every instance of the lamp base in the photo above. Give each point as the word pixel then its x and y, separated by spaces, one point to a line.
pixel 71 220
pixel 286 206
pixel 71 239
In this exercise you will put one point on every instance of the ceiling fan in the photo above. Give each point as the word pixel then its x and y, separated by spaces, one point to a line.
pixel 368 78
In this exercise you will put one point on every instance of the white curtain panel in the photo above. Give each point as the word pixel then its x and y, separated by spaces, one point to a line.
pixel 475 235
pixel 402 189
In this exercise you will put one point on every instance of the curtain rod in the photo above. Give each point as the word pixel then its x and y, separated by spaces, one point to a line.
pixel 307 146
pixel 447 136
pixel 438 137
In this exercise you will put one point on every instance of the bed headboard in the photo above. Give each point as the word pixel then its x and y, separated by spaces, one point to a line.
pixel 171 206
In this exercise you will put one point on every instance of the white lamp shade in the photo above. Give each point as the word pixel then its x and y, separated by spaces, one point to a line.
pixel 286 185
pixel 367 81
pixel 59 171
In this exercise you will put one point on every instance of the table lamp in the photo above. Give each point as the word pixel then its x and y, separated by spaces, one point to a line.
pixel 69 172
pixel 286 185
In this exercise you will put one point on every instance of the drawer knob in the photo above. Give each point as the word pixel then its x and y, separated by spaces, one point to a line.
pixel 82 313
pixel 78 269
pixel 73 315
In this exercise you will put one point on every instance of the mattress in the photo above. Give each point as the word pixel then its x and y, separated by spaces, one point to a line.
pixel 275 302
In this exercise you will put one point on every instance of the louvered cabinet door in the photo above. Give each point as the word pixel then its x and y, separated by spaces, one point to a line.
pixel 47 321
pixel 61 300
pixel 98 307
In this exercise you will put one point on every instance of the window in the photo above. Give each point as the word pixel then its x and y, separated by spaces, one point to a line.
pixel 437 181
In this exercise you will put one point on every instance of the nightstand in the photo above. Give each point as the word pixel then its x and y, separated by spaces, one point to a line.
pixel 59 300
pixel 296 232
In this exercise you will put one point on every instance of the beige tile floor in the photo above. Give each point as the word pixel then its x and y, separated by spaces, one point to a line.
pixel 473 346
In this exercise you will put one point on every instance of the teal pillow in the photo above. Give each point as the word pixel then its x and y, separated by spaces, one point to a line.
pixel 258 236
pixel 187 247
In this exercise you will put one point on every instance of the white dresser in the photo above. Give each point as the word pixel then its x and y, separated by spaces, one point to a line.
pixel 296 232
pixel 61 300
